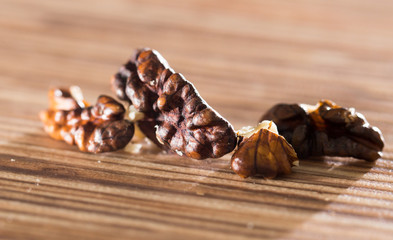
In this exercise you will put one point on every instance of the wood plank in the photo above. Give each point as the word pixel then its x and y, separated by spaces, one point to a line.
pixel 243 57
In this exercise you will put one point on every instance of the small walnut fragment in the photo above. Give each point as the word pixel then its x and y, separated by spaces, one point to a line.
pixel 62 99
pixel 262 151
pixel 175 115
pixel 98 128
pixel 327 129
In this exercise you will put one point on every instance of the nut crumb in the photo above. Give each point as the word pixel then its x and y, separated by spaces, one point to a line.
pixel 179 152
pixel 134 148
pixel 133 114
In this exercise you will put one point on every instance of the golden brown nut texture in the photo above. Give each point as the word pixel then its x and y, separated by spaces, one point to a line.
pixel 264 153
pixel 176 116
pixel 98 128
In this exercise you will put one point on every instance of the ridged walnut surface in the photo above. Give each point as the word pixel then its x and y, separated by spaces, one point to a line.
pixel 243 57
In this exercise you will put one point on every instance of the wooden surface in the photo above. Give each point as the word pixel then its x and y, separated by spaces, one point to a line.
pixel 243 57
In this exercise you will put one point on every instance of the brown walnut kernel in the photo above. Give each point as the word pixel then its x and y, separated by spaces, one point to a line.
pixel 98 128
pixel 262 151
pixel 327 129
pixel 175 115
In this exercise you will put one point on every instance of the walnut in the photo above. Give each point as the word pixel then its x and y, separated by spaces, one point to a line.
pixel 262 151
pixel 98 128
pixel 175 115
pixel 327 129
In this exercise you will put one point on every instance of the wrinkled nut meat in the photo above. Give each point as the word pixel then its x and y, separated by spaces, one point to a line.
pixel 327 129
pixel 98 128
pixel 169 111
pixel 175 115
pixel 262 151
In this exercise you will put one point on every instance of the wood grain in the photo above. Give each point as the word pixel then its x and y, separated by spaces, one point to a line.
pixel 243 57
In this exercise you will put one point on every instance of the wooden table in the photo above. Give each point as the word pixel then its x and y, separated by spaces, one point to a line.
pixel 243 57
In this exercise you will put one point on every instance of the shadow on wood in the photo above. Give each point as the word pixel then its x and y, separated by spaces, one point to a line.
pixel 121 195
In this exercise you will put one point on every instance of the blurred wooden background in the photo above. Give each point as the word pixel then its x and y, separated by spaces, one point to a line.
pixel 243 57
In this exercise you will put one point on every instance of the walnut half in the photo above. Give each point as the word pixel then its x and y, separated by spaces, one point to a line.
pixel 175 116
pixel 262 151
pixel 97 128
pixel 327 129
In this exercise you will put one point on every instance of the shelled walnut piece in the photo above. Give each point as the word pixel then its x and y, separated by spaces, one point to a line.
pixel 169 111
pixel 327 129
pixel 262 151
pixel 175 115
pixel 98 128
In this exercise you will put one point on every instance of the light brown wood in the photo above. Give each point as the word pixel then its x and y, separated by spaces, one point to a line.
pixel 243 57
